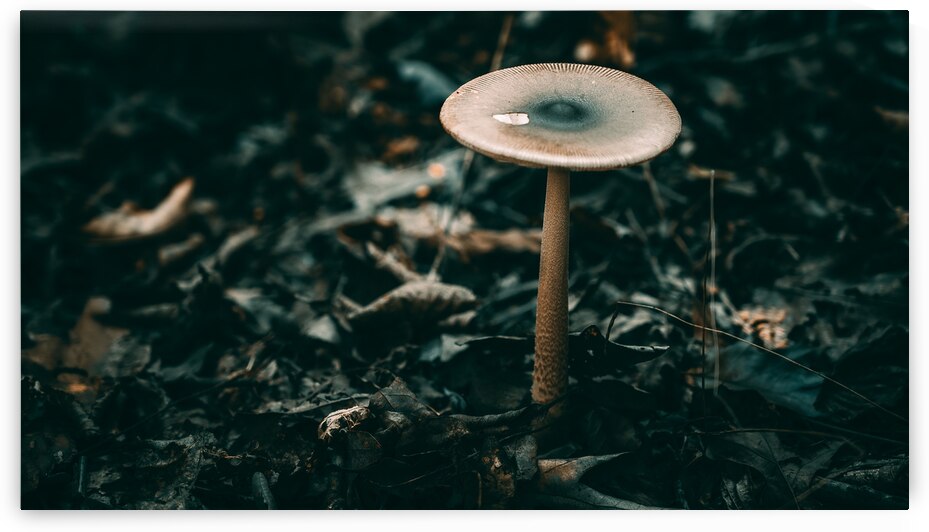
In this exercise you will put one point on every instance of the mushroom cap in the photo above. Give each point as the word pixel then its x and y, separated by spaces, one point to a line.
pixel 564 115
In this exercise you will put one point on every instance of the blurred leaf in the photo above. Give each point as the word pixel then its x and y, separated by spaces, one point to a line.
pixel 131 223
pixel 559 485
pixel 171 468
pixel 876 367
pixel 431 86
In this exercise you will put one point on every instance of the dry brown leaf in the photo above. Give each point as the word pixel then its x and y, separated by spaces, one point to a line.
pixel 131 223
pixel 619 37
pixel 399 148
pixel 699 172
pixel 458 321
pixel 897 120
pixel 614 45
pixel 235 242
pixel 89 341
pixel 416 303
pixel 426 223
pixel 342 421
pixel 482 241
pixel 47 350
pixel 766 324
pixel 175 251
pixel 903 218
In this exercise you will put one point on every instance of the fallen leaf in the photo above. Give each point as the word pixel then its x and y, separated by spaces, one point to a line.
pixel 416 303
pixel 559 485
pixel 427 224
pixel 699 172
pixel 88 342
pixel 373 184
pixel 131 223
pixel 173 466
pixel 400 148
pixel 619 36
pixel 342 421
pixel 391 264
pixel 482 242
pixel 408 313
pixel 897 120
pixel 171 253
pixel 767 324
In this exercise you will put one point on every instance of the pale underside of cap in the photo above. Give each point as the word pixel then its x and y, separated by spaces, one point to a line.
pixel 564 115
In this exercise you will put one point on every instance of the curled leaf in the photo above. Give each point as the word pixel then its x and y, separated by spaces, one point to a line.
pixel 593 354
pixel 342 421
pixel 416 303
pixel 131 223
pixel 897 120
pixel 559 485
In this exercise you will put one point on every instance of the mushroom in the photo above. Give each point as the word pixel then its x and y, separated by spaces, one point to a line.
pixel 564 117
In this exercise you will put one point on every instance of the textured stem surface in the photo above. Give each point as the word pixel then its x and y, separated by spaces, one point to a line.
pixel 550 374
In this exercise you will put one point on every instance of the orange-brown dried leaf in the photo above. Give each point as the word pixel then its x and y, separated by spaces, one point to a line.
pixel 619 37
pixel 89 341
pixel 131 223
pixel 342 421
pixel 699 172
pixel 766 324
pixel 400 148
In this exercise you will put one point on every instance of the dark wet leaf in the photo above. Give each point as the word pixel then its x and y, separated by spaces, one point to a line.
pixel 171 466
pixel 763 452
pixel 592 354
pixel 744 367
pixel 877 368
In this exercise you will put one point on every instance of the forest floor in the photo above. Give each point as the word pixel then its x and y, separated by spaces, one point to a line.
pixel 219 212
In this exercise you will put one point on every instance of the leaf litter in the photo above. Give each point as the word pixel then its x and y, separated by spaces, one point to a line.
pixel 341 314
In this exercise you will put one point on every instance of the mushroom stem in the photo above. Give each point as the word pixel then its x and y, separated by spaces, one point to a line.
pixel 550 373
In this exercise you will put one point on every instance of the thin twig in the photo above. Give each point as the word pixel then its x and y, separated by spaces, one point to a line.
pixel 714 289
pixel 703 308
pixel 770 352
pixel 452 211
pixel 653 188
pixel 786 431
pixel 495 63
pixel 856 433
pixel 501 42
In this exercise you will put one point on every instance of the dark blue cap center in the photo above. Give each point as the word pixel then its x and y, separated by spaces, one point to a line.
pixel 563 113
